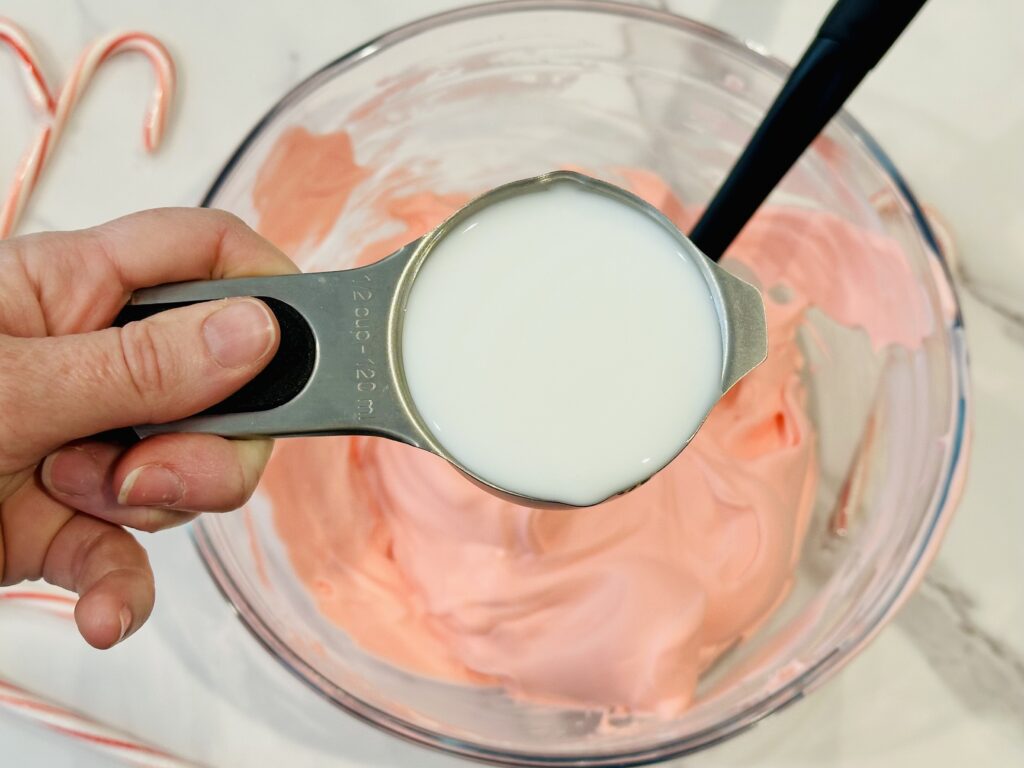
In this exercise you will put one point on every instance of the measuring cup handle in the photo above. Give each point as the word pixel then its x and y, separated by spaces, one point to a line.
pixel 283 378
pixel 334 371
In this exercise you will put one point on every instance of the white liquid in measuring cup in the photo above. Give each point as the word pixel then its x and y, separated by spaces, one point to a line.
pixel 562 344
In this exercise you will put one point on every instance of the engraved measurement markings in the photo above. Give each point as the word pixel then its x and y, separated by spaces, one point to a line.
pixel 365 367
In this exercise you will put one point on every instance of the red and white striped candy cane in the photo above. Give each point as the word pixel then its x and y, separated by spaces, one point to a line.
pixel 38 89
pixel 56 111
pixel 42 98
pixel 16 700
pixel 26 175
pixel 93 58
pixel 112 742
pixel 59 109
pixel 49 600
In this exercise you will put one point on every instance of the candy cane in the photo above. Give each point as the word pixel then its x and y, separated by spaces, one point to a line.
pixel 13 698
pixel 23 703
pixel 38 89
pixel 25 177
pixel 110 741
pixel 59 110
pixel 42 98
pixel 51 602
pixel 99 52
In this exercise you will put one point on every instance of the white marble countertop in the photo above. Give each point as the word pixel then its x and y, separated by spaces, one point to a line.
pixel 942 686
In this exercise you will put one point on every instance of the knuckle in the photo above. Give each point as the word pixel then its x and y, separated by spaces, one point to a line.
pixel 227 223
pixel 114 549
pixel 143 361
pixel 227 219
pixel 8 433
pixel 99 546
pixel 12 426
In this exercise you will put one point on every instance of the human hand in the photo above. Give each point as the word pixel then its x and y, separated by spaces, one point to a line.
pixel 65 375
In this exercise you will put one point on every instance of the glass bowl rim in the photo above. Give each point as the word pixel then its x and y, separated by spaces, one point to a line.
pixel 815 673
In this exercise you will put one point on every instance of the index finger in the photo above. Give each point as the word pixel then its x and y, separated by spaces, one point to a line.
pixel 89 274
pixel 170 245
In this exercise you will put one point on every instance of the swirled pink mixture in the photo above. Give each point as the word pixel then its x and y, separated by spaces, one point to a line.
pixel 622 605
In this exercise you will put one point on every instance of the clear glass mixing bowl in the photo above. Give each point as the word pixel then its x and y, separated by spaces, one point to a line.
pixel 479 96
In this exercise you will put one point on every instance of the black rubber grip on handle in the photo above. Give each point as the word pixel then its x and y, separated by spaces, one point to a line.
pixel 283 377
pixel 280 381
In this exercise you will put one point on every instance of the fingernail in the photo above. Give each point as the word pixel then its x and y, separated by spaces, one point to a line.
pixel 151 486
pixel 126 621
pixel 72 471
pixel 239 334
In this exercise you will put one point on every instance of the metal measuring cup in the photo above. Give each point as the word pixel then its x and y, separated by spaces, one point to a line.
pixel 339 368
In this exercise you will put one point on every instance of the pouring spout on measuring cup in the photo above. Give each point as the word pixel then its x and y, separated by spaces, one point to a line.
pixel 557 340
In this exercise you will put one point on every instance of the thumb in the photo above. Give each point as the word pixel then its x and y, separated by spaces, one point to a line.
pixel 163 368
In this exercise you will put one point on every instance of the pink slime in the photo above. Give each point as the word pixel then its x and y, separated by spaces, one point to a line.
pixel 622 605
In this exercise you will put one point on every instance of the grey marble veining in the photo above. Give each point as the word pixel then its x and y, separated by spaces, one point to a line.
pixel 943 686
pixel 983 670
pixel 1012 311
